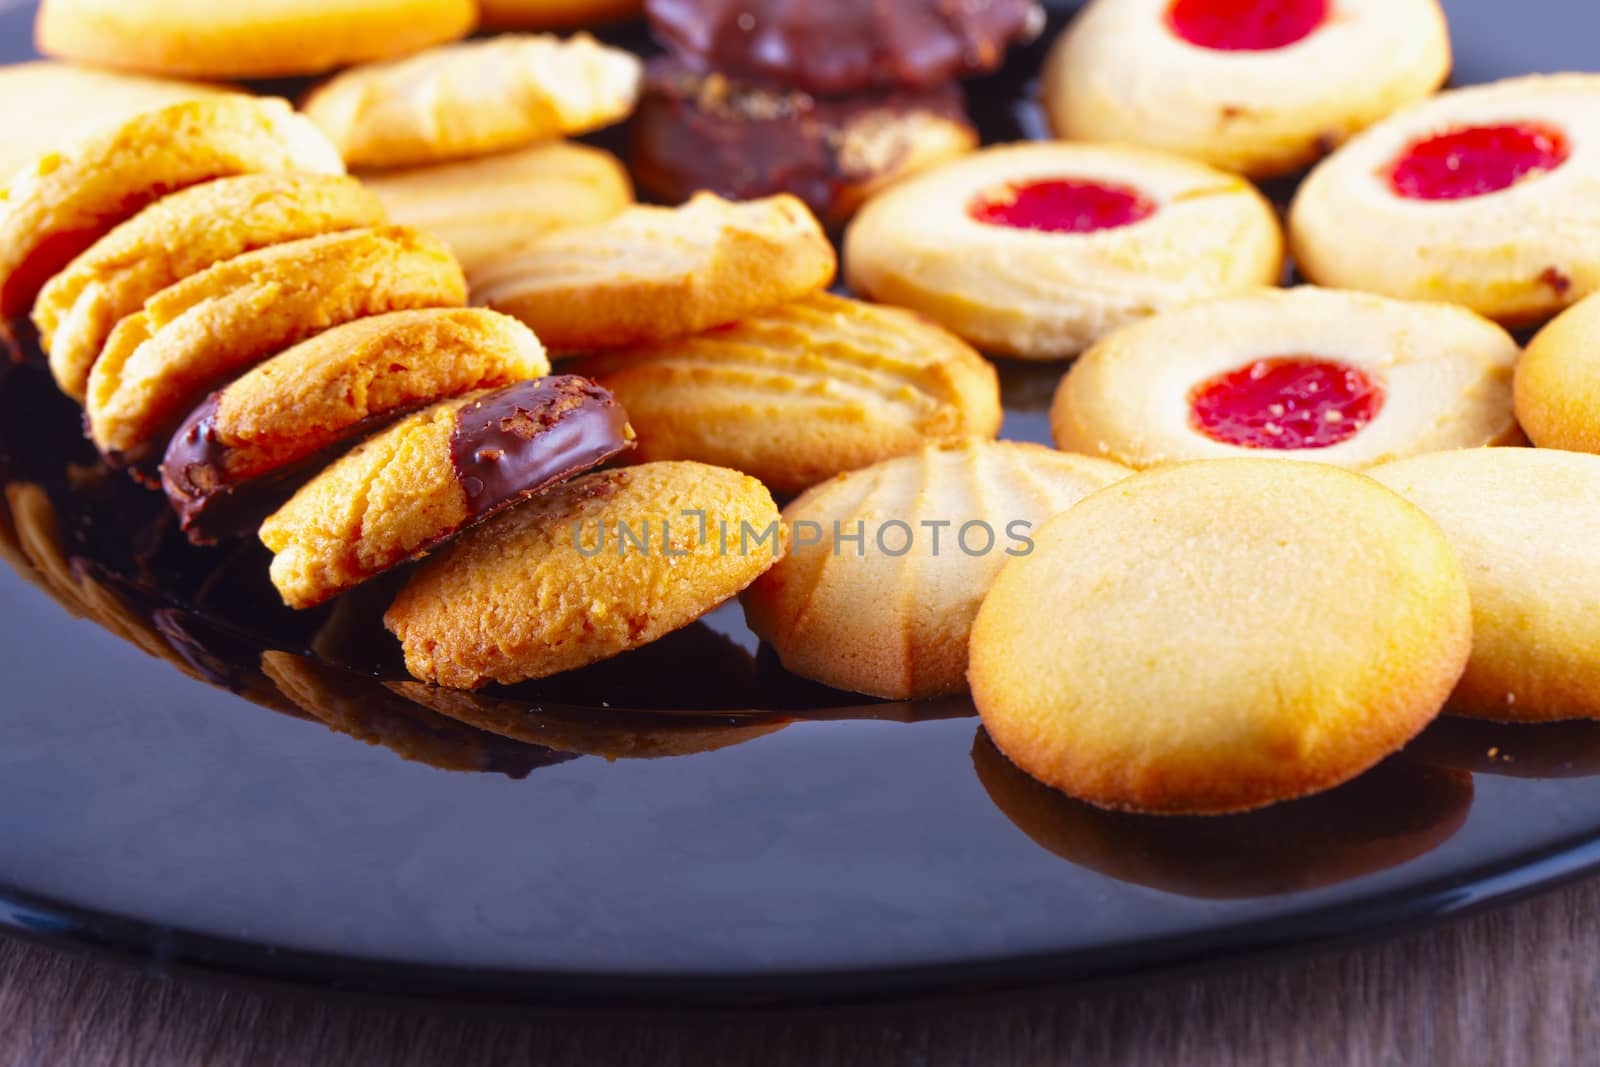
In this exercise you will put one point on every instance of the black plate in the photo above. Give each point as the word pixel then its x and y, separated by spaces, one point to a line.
pixel 828 849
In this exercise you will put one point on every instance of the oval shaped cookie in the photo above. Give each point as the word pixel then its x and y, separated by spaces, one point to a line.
pixel 566 586
pixel 887 565
pixel 1216 637
pixel 1557 383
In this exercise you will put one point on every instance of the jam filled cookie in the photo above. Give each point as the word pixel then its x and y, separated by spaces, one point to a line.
pixel 178 236
pixel 259 39
pixel 160 362
pixel 400 493
pixel 567 584
pixel 1487 197
pixel 340 383
pixel 1216 637
pixel 1261 87
pixel 652 273
pixel 887 565
pixel 553 14
pixel 1557 383
pixel 803 392
pixel 68 200
pixel 475 98
pixel 1314 374
pixel 1525 522
pixel 1038 250
pixel 488 208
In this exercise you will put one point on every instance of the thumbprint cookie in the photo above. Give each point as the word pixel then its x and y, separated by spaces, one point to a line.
pixel 1220 636
pixel 887 565
pixel 553 14
pixel 592 568
pixel 1261 87
pixel 475 98
pixel 1038 250
pixel 1524 522
pixel 1487 197
pixel 403 491
pixel 1557 384
pixel 802 392
pixel 652 273
pixel 1349 379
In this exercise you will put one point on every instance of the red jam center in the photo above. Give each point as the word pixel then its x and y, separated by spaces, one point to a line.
pixel 1477 160
pixel 1061 205
pixel 1287 403
pixel 1246 25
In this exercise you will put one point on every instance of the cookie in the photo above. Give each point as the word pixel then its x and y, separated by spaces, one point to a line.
pixel 488 208
pixel 401 492
pixel 553 14
pixel 561 598
pixel 1524 522
pixel 475 98
pixel 1263 87
pixel 802 392
pixel 160 362
pixel 1146 656
pixel 702 131
pixel 887 565
pixel 175 237
pixel 1557 384
pixel 652 273
pixel 259 39
pixel 67 200
pixel 345 381
pixel 1038 250
pixel 1487 197
pixel 1334 377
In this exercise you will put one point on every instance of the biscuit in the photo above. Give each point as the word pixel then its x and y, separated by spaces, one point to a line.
pixel 553 14
pixel 259 39
pixel 800 393
pixel 401 492
pixel 1333 377
pixel 474 98
pixel 652 273
pixel 890 615
pixel 1557 384
pixel 1258 96
pixel 487 208
pixel 1524 522
pixel 1148 657
pixel 1038 250
pixel 342 382
pixel 160 362
pixel 1488 197
pixel 178 236
pixel 560 598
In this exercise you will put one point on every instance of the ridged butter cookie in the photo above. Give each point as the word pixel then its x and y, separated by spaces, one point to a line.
pixel 1557 384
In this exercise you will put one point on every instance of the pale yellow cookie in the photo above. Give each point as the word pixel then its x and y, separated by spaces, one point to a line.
pixel 1557 383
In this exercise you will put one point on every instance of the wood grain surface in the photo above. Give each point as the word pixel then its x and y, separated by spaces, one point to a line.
pixel 1520 985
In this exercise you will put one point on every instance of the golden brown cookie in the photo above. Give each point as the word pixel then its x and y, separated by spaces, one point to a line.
pixel 887 565
pixel 802 392
pixel 178 236
pixel 1220 636
pixel 566 586
pixel 256 39
pixel 652 273
pixel 400 493
pixel 68 200
pixel 475 98
pixel 553 14
pixel 1557 384
pixel 160 362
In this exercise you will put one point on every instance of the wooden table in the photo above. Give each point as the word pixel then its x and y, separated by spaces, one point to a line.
pixel 1520 985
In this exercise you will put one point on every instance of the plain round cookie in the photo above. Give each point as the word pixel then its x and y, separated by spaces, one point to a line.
pixel 1121 72
pixel 652 273
pixel 1518 254
pixel 254 39
pixel 558 589
pixel 802 392
pixel 553 14
pixel 1299 371
pixel 1557 384
pixel 474 98
pixel 1524 522
pixel 175 237
pixel 890 614
pixel 1217 637
pixel 1194 233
